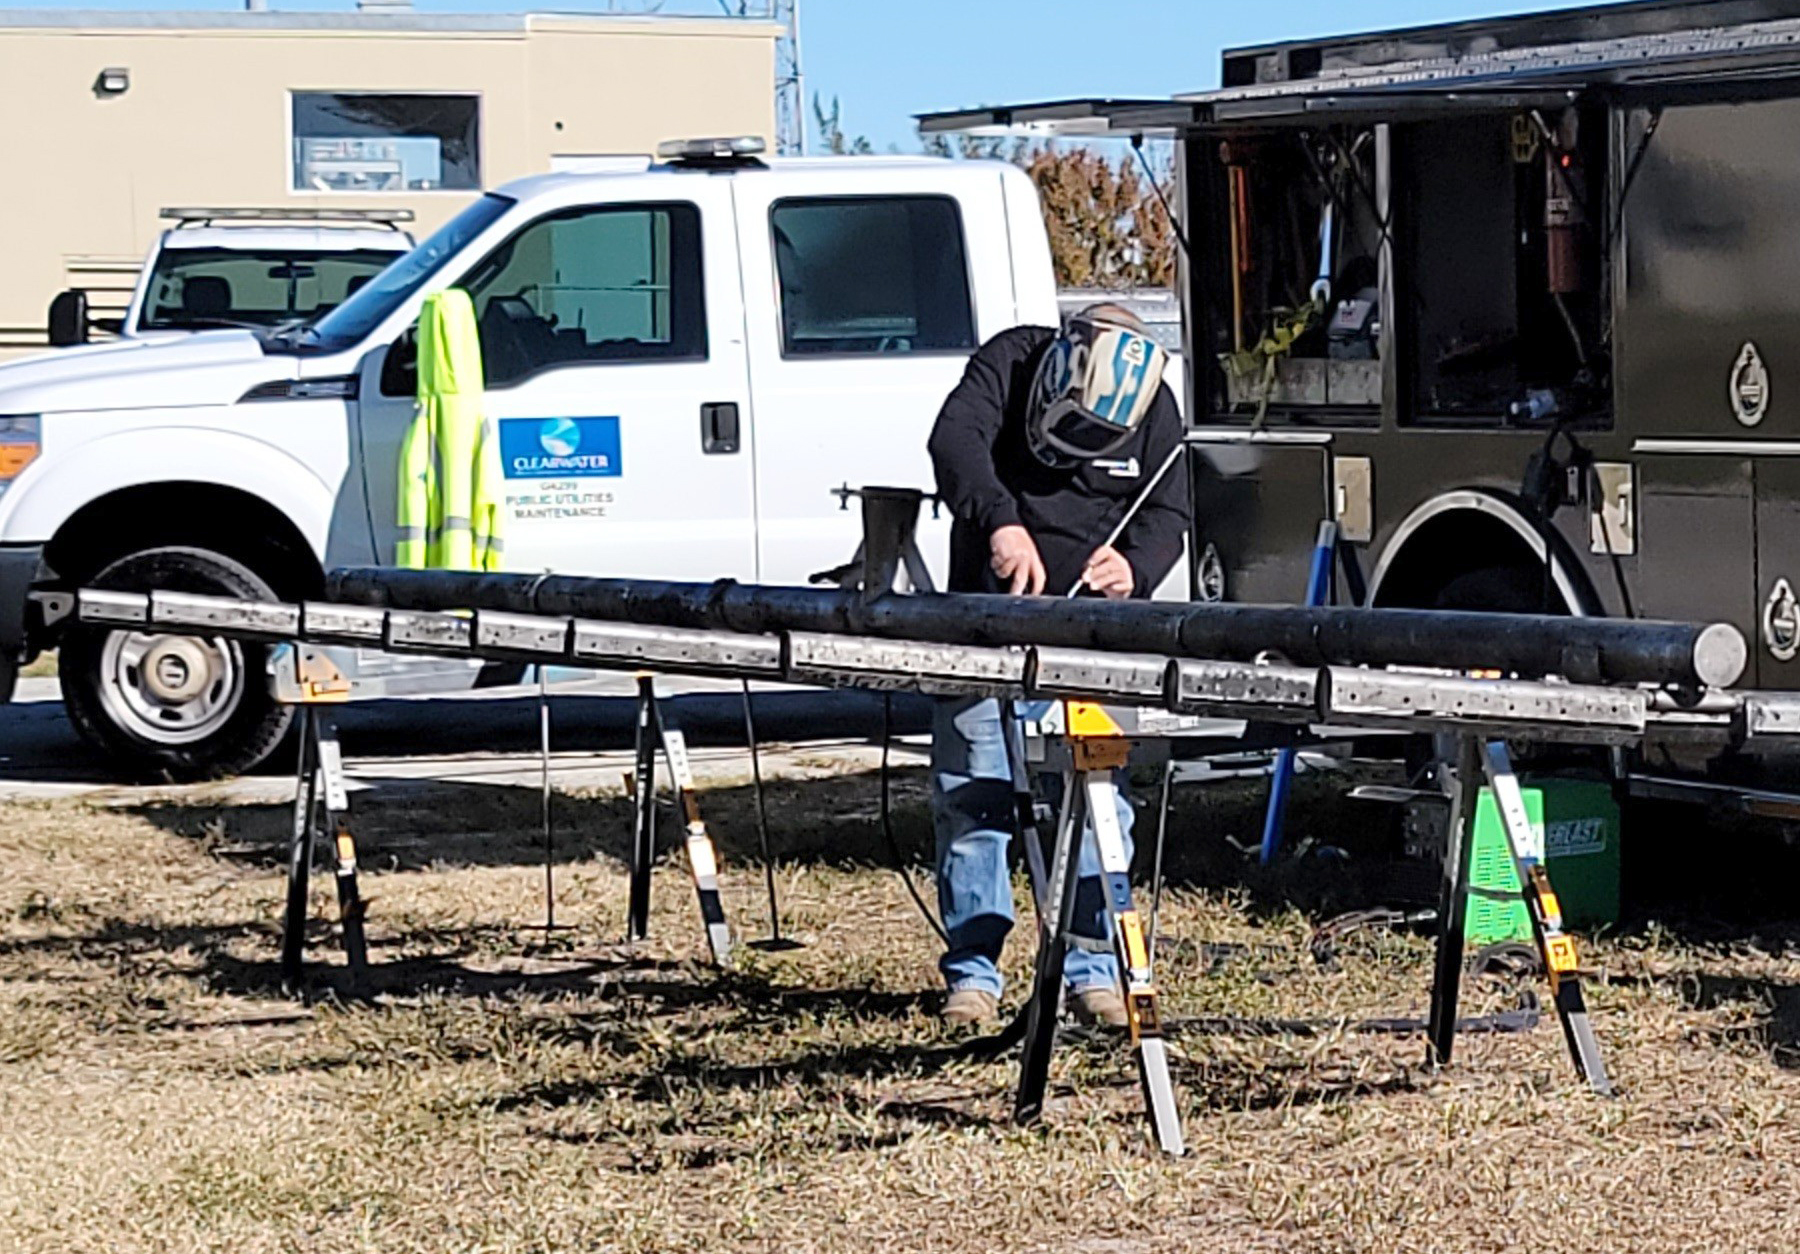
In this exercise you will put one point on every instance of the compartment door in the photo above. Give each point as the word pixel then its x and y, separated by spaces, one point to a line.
pixel 1257 509
pixel 1775 644
pixel 1697 548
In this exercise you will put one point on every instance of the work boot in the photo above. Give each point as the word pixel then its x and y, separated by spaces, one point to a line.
pixel 966 1007
pixel 1099 1005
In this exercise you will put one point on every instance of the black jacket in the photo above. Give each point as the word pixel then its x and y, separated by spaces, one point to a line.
pixel 989 478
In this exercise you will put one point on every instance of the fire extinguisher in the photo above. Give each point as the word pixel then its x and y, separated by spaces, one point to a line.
pixel 1565 207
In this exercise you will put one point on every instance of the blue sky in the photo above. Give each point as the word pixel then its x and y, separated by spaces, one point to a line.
pixel 889 59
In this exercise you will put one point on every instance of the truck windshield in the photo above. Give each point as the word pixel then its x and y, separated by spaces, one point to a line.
pixel 194 288
pixel 351 322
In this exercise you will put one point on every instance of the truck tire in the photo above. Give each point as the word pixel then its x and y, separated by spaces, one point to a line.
pixel 168 707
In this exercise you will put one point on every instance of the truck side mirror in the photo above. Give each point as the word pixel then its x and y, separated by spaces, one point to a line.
pixel 400 368
pixel 68 322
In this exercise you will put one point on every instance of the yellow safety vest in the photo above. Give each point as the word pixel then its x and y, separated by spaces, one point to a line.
pixel 451 488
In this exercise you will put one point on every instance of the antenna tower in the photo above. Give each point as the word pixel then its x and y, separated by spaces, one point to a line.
pixel 790 84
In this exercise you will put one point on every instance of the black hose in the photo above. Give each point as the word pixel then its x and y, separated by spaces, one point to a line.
pixel 762 818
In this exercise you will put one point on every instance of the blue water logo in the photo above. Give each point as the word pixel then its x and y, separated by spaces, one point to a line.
pixel 560 448
pixel 560 437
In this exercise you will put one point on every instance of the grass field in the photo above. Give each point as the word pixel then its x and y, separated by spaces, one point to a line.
pixel 513 1094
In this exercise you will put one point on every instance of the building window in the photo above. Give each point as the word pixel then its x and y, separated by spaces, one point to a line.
pixel 872 274
pixel 592 285
pixel 347 142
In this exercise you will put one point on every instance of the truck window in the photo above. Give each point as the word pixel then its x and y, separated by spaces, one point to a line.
pixel 617 283
pixel 1290 276
pixel 871 274
pixel 193 288
pixel 1504 279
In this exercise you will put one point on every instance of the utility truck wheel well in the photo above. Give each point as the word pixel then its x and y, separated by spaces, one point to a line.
pixel 200 515
pixel 1467 560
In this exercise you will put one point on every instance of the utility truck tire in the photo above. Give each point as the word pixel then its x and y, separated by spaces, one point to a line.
pixel 170 707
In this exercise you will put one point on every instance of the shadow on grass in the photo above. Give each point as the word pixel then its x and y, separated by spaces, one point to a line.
pixel 833 820
pixel 212 956
pixel 1350 860
pixel 1777 1030
pixel 413 826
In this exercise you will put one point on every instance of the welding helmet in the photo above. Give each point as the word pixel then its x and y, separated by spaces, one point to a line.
pixel 1095 384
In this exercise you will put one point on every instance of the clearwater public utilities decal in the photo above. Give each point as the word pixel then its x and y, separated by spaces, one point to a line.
pixel 559 448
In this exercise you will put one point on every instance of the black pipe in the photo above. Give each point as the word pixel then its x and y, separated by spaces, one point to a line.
pixel 953 618
pixel 1585 650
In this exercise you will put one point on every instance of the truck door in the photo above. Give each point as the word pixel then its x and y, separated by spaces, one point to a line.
pixel 612 339
pixel 1709 374
pixel 862 311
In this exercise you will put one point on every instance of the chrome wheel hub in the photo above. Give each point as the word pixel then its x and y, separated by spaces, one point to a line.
pixel 170 689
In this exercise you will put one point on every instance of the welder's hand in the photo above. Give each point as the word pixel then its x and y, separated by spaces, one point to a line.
pixel 1108 573
pixel 1013 554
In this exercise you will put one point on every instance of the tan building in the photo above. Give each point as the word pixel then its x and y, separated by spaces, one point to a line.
pixel 112 116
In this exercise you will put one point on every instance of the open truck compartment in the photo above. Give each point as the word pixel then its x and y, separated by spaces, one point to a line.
pixel 1503 279
pixel 1290 311
pixel 1464 245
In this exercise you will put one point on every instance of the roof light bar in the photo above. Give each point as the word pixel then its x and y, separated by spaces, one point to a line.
pixel 195 216
pixel 717 150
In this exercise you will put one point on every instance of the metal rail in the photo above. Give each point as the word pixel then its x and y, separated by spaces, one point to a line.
pixel 1340 696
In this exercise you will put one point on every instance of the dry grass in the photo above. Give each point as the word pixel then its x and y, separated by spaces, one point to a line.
pixel 507 1095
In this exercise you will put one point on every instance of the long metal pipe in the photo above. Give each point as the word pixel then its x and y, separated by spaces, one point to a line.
pixel 1342 696
pixel 1585 650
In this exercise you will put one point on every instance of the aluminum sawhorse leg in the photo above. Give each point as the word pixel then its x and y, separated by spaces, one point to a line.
pixel 703 862
pixel 1491 760
pixel 1091 794
pixel 321 805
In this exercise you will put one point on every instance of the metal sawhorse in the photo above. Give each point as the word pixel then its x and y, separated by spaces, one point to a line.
pixel 653 732
pixel 1092 749
pixel 1476 760
pixel 306 679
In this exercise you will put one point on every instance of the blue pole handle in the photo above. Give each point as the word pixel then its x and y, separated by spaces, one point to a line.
pixel 1318 588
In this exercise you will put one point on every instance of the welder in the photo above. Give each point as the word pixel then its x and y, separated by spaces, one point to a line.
pixel 1042 450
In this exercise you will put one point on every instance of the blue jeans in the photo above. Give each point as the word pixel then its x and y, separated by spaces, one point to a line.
pixel 972 813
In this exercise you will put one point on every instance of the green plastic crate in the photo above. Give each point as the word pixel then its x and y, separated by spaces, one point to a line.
pixel 1580 823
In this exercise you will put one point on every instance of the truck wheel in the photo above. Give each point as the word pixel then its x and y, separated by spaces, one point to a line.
pixel 172 707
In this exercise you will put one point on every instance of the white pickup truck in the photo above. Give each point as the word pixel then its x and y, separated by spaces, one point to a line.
pixel 683 360
pixel 243 267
